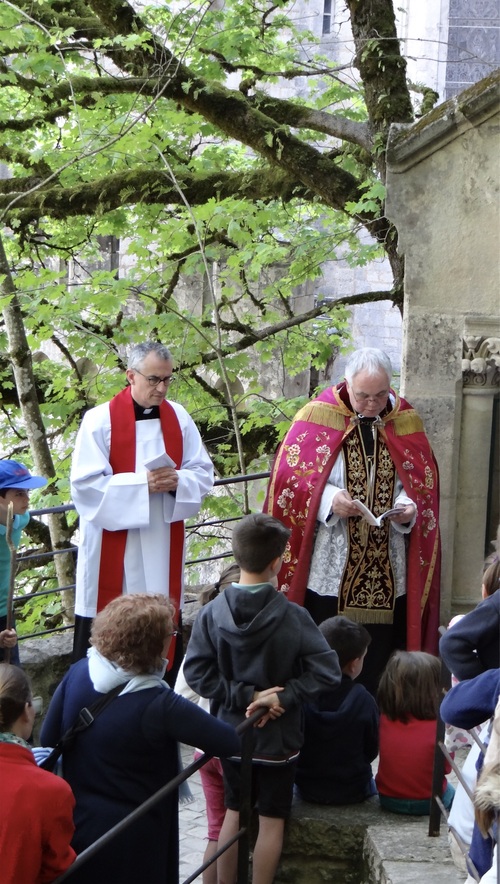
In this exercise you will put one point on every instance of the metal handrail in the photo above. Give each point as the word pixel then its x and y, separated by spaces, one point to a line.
pixel 243 729
pixel 437 808
pixel 73 548
pixel 229 480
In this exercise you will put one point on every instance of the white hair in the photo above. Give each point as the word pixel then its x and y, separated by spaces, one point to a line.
pixel 369 359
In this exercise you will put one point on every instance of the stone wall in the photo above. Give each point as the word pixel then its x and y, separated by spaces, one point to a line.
pixel 45 661
pixel 443 195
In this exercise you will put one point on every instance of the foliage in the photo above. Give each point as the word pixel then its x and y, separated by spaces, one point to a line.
pixel 169 129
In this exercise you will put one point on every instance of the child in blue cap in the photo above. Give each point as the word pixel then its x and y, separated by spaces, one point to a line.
pixel 16 482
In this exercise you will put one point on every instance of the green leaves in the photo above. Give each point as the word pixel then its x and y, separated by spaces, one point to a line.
pixel 156 191
pixel 371 200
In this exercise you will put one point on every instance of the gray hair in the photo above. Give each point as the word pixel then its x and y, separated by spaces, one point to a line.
pixel 139 353
pixel 368 359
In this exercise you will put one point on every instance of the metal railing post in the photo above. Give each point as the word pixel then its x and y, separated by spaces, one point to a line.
pixel 247 745
pixel 438 770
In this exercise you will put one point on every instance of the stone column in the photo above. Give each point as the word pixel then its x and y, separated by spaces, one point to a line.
pixel 481 377
pixel 443 189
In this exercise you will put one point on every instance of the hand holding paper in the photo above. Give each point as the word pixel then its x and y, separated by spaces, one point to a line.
pixel 162 474
pixel 161 460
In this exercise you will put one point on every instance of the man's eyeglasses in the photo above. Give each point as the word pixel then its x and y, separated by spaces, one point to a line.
pixel 363 397
pixel 154 381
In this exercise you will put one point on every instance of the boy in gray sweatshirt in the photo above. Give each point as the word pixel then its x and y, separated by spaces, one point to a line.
pixel 249 648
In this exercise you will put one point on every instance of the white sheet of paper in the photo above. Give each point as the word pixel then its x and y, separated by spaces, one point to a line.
pixel 162 460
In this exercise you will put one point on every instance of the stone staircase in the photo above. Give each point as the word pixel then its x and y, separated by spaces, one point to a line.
pixel 362 844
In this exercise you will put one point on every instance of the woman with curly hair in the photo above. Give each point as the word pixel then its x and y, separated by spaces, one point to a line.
pixel 130 750
pixel 36 820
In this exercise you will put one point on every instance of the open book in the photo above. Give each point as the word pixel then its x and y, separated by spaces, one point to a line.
pixel 370 518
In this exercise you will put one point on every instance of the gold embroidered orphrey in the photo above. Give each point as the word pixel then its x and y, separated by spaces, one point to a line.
pixel 368 586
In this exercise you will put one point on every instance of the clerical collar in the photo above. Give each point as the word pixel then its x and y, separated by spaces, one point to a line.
pixel 146 414
pixel 361 419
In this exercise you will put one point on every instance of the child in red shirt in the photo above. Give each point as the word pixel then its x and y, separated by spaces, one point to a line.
pixel 408 695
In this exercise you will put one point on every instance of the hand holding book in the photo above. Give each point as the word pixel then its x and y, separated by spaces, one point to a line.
pixel 376 521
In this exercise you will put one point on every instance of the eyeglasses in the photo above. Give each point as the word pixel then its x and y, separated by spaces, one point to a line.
pixel 364 397
pixel 154 381
pixel 173 634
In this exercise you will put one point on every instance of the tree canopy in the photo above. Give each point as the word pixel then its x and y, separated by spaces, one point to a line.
pixel 229 156
pixel 166 126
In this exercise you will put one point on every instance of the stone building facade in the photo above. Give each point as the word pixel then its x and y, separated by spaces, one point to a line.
pixel 443 195
pixel 449 45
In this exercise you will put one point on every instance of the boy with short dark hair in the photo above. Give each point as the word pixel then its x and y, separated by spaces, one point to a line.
pixel 341 728
pixel 250 648
pixel 16 482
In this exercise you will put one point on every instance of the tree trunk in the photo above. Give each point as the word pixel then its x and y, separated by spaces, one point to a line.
pixel 20 358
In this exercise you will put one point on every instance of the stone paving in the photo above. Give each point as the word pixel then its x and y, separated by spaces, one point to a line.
pixel 192 824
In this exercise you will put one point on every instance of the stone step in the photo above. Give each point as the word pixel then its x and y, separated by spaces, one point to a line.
pixel 363 844
pixel 405 853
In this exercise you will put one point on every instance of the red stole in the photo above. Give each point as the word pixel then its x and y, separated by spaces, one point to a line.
pixel 122 459
pixel 301 469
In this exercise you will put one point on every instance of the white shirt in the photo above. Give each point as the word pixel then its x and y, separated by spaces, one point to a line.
pixel 122 501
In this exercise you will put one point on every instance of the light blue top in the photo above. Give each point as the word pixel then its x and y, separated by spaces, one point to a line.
pixel 18 523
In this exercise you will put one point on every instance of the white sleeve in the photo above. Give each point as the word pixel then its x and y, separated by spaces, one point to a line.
pixel 401 497
pixel 109 501
pixel 335 483
pixel 181 686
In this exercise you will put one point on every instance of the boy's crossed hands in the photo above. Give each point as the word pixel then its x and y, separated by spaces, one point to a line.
pixel 268 698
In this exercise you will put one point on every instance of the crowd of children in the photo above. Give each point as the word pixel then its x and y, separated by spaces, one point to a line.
pixel 345 728
pixel 250 647
pixel 319 732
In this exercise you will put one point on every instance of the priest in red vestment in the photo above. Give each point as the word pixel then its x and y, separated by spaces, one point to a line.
pixel 361 441
pixel 139 470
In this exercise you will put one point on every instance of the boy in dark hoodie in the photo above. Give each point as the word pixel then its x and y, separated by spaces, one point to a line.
pixel 341 730
pixel 250 648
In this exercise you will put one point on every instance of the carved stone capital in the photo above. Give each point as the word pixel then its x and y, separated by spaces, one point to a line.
pixel 481 361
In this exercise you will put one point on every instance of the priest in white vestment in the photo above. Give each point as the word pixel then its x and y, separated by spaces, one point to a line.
pixel 132 504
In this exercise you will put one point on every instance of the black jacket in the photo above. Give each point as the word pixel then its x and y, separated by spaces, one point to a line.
pixel 473 644
pixel 340 742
